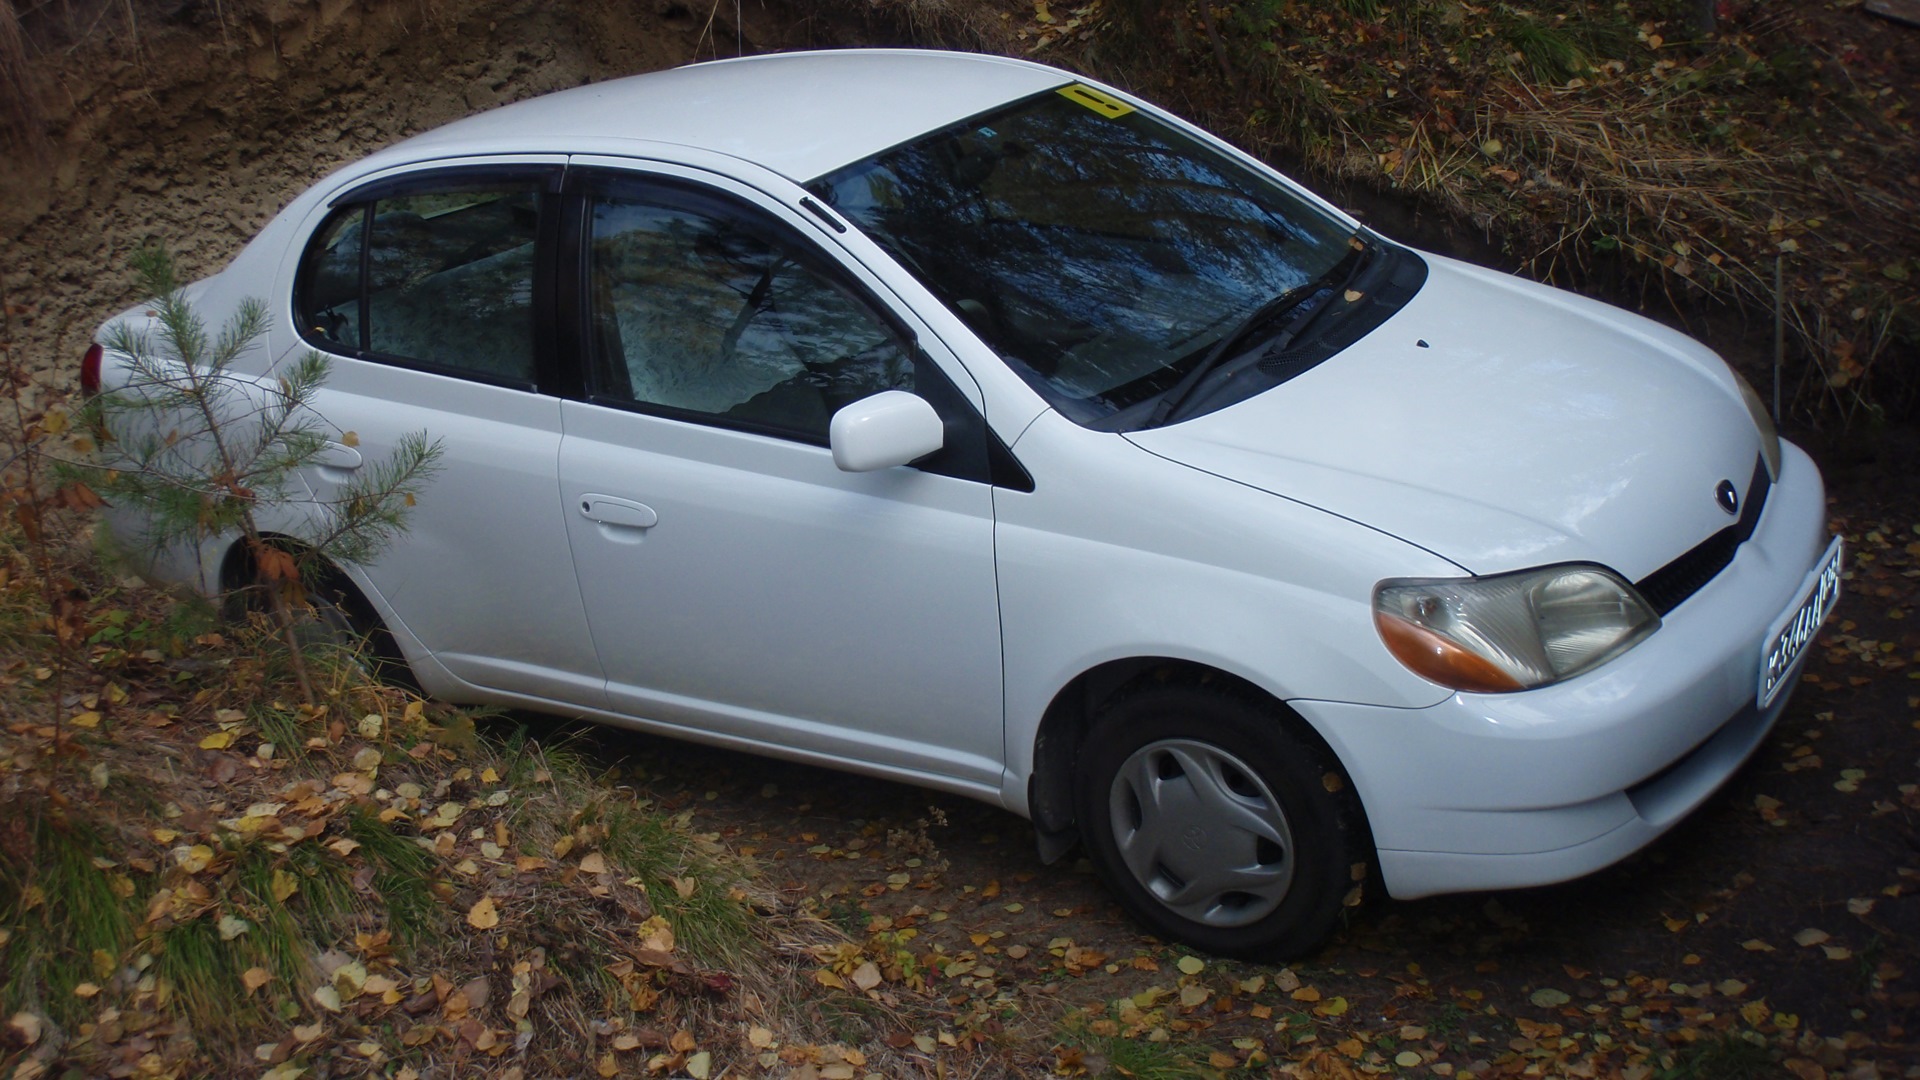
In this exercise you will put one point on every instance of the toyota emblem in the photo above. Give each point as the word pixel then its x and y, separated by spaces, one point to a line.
pixel 1727 497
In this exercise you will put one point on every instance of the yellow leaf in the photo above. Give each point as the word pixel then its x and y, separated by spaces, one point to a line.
pixel 85 990
pixel 656 933
pixel 349 438
pixel 1332 1007
pixel 828 978
pixel 255 977
pixel 193 859
pixel 1191 965
pixel 483 915
pixel 593 863
pixel 232 926
pixel 306 1033
pixel 219 740
pixel 88 719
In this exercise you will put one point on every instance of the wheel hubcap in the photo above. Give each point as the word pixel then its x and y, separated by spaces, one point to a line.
pixel 1201 832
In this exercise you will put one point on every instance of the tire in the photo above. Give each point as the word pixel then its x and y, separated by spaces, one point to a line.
pixel 333 616
pixel 1211 819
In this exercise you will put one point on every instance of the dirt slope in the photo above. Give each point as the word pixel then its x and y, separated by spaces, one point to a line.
pixel 194 134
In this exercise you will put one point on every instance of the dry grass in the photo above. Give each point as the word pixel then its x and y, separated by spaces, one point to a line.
pixel 191 868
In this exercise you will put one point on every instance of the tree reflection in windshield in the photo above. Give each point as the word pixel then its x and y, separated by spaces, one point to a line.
pixel 1099 254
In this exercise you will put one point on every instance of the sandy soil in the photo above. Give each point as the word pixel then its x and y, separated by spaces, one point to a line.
pixel 194 135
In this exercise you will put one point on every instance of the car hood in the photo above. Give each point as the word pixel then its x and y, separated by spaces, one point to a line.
pixel 1499 424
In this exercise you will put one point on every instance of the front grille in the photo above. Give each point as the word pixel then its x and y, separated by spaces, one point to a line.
pixel 1668 587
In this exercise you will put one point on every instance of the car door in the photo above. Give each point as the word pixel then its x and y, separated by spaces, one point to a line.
pixel 739 586
pixel 421 288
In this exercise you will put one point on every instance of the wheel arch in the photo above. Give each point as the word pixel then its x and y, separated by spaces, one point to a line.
pixel 1070 714
pixel 237 573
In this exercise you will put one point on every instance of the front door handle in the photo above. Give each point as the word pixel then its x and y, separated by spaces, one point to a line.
pixel 617 513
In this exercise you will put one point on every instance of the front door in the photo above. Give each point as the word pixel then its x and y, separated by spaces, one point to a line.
pixel 738 585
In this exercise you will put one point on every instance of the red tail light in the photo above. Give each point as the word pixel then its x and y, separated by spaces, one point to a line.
pixel 90 370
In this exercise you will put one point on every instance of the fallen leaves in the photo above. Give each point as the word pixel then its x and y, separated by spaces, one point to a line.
pixel 1549 998
pixel 483 915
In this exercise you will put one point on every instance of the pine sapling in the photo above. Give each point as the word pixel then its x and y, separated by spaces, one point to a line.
pixel 209 451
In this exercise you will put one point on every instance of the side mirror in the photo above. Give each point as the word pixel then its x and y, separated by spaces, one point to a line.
pixel 890 428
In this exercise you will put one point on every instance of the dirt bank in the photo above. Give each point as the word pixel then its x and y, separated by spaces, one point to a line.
pixel 194 131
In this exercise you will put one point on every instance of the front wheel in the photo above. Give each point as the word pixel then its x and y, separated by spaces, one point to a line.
pixel 1215 823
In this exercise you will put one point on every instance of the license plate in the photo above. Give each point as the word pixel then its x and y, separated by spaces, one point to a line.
pixel 1794 632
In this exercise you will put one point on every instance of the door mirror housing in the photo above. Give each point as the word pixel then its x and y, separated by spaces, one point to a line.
pixel 890 428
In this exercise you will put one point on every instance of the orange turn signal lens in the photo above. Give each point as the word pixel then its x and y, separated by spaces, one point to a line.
pixel 1434 657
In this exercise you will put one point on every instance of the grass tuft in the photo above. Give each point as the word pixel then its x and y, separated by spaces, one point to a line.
pixel 63 905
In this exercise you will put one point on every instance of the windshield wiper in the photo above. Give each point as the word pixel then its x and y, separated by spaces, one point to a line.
pixel 1338 279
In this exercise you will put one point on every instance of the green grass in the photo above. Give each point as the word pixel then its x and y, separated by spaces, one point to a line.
pixel 204 971
pixel 708 922
pixel 403 877
pixel 1110 1056
pixel 68 918
pixel 1728 1057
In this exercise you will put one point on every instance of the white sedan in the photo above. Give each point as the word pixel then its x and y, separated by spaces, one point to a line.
pixel 956 420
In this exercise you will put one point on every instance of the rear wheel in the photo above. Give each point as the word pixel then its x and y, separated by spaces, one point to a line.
pixel 330 614
pixel 1215 823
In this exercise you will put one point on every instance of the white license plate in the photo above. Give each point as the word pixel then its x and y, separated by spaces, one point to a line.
pixel 1794 632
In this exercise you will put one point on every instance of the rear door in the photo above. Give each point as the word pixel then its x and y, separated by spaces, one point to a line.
pixel 426 289
pixel 739 586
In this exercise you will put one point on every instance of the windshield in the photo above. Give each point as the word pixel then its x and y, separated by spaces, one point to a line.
pixel 1100 251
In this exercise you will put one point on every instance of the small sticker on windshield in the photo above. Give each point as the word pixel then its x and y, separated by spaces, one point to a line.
pixel 1105 104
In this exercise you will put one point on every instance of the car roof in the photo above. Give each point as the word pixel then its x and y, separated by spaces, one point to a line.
pixel 800 114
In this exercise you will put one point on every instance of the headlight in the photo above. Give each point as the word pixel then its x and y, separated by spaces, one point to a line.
pixel 1762 419
pixel 1510 631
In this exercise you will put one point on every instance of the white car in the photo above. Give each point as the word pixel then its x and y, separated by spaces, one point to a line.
pixel 957 420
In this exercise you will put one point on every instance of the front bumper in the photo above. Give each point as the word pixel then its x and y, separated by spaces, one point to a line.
pixel 1502 791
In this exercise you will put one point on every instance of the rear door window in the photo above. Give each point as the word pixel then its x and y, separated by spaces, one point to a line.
pixel 442 280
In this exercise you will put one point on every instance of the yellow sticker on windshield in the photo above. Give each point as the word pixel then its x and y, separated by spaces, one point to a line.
pixel 1105 104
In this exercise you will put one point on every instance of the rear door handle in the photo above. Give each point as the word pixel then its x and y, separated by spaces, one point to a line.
pixel 617 513
pixel 337 461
